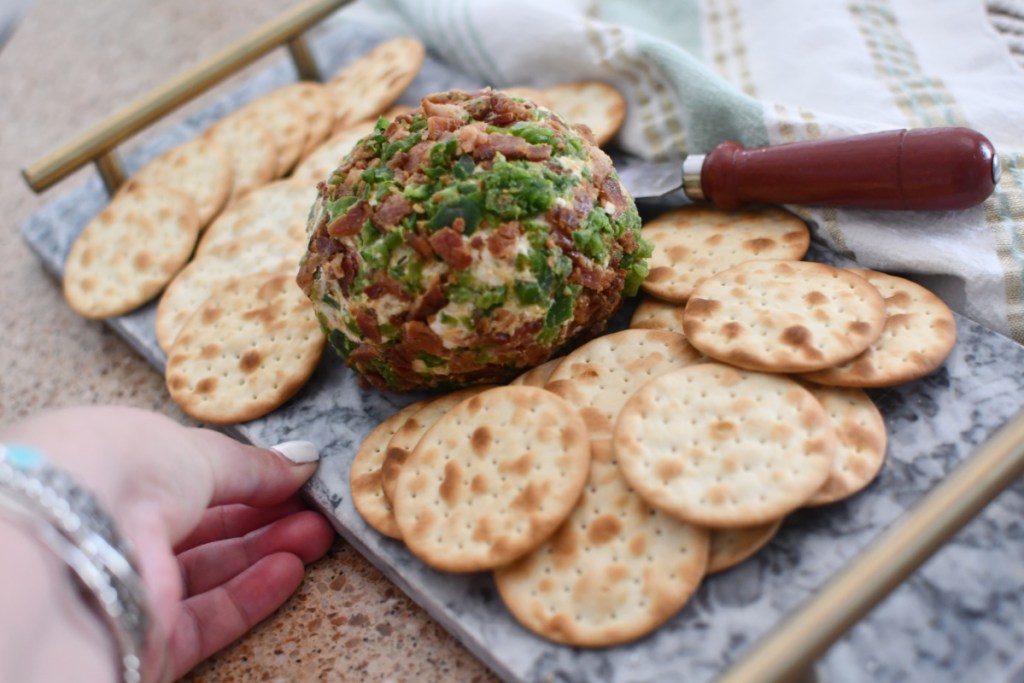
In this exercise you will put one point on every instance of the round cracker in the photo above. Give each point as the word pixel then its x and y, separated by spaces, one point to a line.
pixel 615 571
pixel 130 250
pixel 599 376
pixel 655 314
pixel 599 106
pixel 252 150
pixel 861 442
pixel 724 447
pixel 693 243
pixel 317 103
pixel 364 476
pixel 404 441
pixel 249 348
pixel 538 376
pixel 365 88
pixel 263 253
pixel 279 208
pixel 287 120
pixel 784 316
pixel 201 168
pixel 729 547
pixel 492 479
pixel 323 160
pixel 919 334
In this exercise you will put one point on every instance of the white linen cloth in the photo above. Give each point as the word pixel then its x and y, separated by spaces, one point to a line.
pixel 698 72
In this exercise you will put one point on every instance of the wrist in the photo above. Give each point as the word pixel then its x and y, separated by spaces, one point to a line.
pixel 72 525
pixel 49 631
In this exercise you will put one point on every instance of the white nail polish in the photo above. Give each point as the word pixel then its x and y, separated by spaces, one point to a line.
pixel 299 452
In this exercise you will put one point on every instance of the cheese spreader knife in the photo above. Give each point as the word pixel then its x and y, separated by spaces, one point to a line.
pixel 917 169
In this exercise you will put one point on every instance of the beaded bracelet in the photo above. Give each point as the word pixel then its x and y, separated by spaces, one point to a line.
pixel 69 520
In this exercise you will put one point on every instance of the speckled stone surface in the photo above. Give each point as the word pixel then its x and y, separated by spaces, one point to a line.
pixel 69 64
pixel 956 619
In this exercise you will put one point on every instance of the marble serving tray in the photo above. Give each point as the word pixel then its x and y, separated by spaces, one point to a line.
pixel 957 619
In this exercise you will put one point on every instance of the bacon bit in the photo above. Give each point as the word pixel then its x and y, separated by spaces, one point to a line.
pixel 363 355
pixel 307 272
pixel 514 147
pixel 449 246
pixel 593 278
pixel 600 166
pixel 432 301
pixel 437 126
pixel 477 242
pixel 387 285
pixel 414 159
pixel 613 191
pixel 470 136
pixel 368 325
pixel 419 337
pixel 463 362
pixel 583 130
pixel 391 211
pixel 484 151
pixel 351 222
pixel 400 360
pixel 628 241
pixel 419 245
pixel 459 224
pixel 564 218
pixel 443 110
pixel 349 269
pixel 502 242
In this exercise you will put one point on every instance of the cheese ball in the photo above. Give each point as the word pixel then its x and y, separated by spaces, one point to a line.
pixel 467 240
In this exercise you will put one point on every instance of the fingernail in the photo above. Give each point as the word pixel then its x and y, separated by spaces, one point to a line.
pixel 299 452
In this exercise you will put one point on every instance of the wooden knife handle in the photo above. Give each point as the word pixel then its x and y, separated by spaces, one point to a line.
pixel 927 168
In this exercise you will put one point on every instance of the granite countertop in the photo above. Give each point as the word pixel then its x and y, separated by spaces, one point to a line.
pixel 67 65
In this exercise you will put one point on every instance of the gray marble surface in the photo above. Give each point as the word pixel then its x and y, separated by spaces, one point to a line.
pixel 957 619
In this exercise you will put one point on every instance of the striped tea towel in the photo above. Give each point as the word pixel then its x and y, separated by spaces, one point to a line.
pixel 698 72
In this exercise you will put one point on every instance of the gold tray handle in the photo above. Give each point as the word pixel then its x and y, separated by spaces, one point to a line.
pixel 789 651
pixel 98 144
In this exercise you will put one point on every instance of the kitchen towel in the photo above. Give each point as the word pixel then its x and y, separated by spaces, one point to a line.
pixel 698 72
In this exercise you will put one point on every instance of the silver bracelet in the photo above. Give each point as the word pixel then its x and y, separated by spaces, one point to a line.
pixel 71 522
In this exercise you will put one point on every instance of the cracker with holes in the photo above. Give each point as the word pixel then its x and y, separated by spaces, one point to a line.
pixel 200 168
pixel 321 162
pixel 318 105
pixel 252 149
pixel 364 476
pixel 492 479
pixel 130 250
pixel 861 442
pixel 404 440
pixel 599 376
pixel 288 122
pixel 263 253
pixel 723 447
pixel 249 348
pixel 279 208
pixel 919 335
pixel 730 547
pixel 538 376
pixel 599 106
pixel 695 242
pixel 655 314
pixel 784 316
pixel 367 86
pixel 614 572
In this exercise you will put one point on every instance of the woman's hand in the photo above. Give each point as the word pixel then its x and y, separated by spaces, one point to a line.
pixel 220 535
